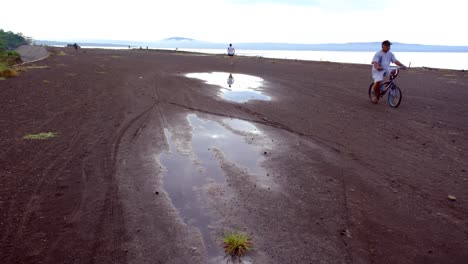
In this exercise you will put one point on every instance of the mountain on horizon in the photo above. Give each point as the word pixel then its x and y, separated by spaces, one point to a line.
pixel 178 39
pixel 188 43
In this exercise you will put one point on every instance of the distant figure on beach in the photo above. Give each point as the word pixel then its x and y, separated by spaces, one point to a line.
pixel 76 46
pixel 230 80
pixel 380 67
pixel 231 51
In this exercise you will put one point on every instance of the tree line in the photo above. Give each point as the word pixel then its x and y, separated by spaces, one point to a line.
pixel 10 40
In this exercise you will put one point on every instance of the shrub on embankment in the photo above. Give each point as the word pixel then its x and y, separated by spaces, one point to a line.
pixel 8 57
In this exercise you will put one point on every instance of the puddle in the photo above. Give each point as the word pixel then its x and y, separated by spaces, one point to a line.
pixel 234 87
pixel 187 173
pixel 241 125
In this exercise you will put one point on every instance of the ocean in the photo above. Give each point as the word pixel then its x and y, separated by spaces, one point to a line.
pixel 441 60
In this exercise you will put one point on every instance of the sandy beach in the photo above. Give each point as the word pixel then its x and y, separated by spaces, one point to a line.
pixel 317 174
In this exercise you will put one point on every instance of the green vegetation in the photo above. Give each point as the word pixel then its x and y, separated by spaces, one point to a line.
pixel 40 136
pixel 236 245
pixel 10 40
pixel 8 58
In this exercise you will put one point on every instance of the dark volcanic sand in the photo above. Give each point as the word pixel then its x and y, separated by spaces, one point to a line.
pixel 348 181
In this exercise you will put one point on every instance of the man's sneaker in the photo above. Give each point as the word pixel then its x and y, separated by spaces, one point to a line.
pixel 374 99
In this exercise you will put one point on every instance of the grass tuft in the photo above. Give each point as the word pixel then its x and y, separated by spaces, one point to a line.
pixel 236 245
pixel 37 67
pixel 7 72
pixel 21 69
pixel 40 136
pixel 58 52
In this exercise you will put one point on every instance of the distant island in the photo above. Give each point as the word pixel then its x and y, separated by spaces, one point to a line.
pixel 188 43
pixel 178 39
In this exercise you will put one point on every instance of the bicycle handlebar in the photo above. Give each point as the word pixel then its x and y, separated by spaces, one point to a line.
pixel 396 68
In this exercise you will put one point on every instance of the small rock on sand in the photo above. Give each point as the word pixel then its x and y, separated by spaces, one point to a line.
pixel 452 198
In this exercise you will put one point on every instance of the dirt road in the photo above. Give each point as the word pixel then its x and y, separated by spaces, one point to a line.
pixel 150 166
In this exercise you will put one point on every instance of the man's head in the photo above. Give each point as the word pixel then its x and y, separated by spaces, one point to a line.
pixel 230 45
pixel 386 46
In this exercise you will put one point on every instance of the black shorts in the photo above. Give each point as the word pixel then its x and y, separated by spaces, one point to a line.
pixel 231 55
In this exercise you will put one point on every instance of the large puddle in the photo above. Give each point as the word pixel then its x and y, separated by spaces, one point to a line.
pixel 234 87
pixel 187 173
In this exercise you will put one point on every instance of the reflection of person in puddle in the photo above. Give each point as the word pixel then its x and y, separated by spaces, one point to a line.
pixel 230 80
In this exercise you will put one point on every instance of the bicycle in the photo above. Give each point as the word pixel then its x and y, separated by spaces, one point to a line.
pixel 395 95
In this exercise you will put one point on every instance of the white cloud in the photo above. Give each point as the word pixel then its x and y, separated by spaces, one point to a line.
pixel 426 22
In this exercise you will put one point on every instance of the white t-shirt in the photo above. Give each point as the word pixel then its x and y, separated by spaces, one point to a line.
pixel 231 50
pixel 384 59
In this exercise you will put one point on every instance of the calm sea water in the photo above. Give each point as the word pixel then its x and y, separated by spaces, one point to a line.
pixel 442 60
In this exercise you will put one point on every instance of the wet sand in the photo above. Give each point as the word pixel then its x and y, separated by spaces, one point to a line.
pixel 316 174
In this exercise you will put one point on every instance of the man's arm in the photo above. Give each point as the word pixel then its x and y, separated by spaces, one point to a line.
pixel 377 66
pixel 375 61
pixel 400 64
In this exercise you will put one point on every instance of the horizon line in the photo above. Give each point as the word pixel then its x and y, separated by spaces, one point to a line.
pixel 234 43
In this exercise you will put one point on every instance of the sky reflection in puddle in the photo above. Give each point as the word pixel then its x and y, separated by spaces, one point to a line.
pixel 234 87
pixel 184 177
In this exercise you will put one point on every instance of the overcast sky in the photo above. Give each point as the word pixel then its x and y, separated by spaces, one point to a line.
pixel 295 21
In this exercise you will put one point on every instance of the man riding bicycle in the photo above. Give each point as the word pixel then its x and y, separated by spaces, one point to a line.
pixel 380 68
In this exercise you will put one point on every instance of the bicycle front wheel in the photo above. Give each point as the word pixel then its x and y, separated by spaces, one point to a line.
pixel 394 96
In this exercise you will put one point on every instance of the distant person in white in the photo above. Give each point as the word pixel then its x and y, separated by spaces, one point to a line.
pixel 230 80
pixel 231 50
pixel 380 67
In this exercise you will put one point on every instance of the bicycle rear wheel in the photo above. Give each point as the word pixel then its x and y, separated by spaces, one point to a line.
pixel 394 96
pixel 371 89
